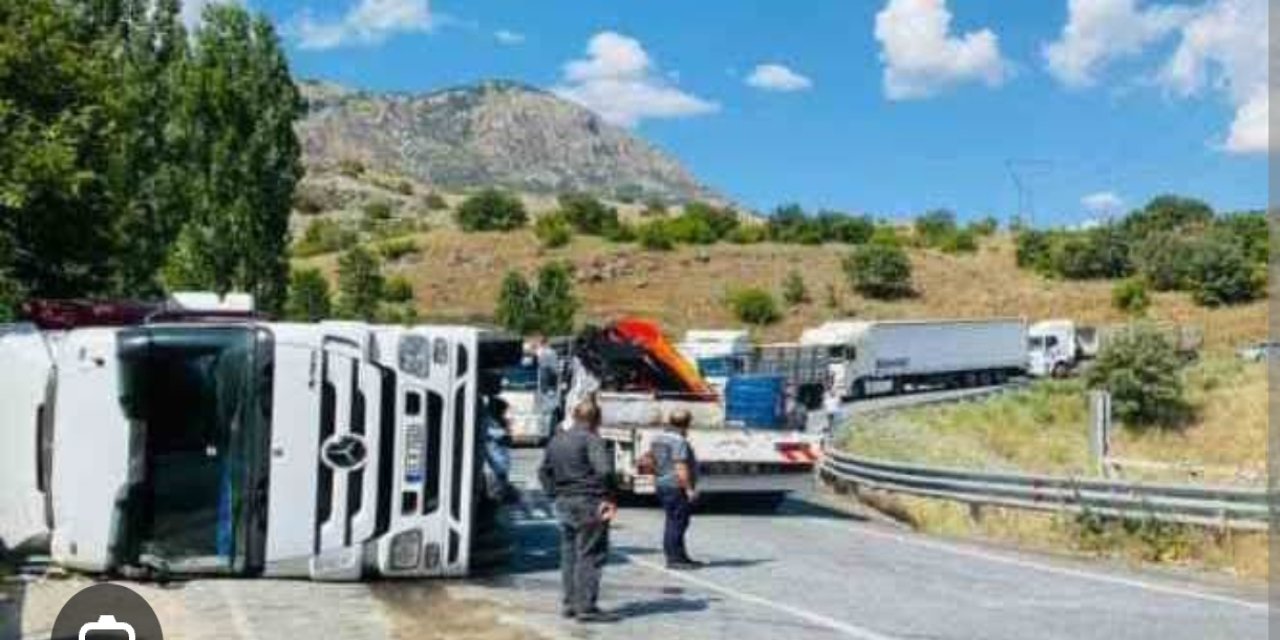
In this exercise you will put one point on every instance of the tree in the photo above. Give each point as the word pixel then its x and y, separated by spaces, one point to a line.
pixel 398 290
pixel 360 284
pixel 1033 250
pixel 1098 253
pixel 720 220
pixel 324 235
pixel 794 292
pixel 1168 213
pixel 553 231
pixel 515 311
pixel 1130 296
pixel 243 158
pixel 840 227
pixel 554 304
pixel 1164 258
pixel 687 229
pixel 434 202
pixel 587 214
pixel 880 271
pixel 790 224
pixel 491 210
pixel 754 306
pixel 960 241
pixel 309 296
pixel 1140 368
pixel 984 227
pixel 1220 274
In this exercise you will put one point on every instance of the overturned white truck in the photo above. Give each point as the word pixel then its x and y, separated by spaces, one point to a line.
pixel 169 444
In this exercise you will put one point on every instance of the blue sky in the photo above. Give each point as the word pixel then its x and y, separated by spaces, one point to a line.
pixel 881 106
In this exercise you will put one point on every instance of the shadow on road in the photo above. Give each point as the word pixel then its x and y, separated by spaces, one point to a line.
pixel 661 606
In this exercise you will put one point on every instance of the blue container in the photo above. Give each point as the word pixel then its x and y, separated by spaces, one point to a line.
pixel 757 401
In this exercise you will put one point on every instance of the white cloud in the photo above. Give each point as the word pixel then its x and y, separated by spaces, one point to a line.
pixel 1102 203
pixel 620 82
pixel 1101 31
pixel 777 77
pixel 507 37
pixel 192 10
pixel 922 57
pixel 1224 49
pixel 367 22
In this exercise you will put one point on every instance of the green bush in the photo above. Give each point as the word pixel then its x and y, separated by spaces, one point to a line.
pixel 515 311
pixel 1165 258
pixel 553 231
pixel 654 236
pixel 1250 231
pixel 881 271
pixel 392 250
pixel 749 234
pixel 1140 368
pixel 491 210
pixel 309 297
pixel 324 236
pixel 686 229
pixel 886 235
pixel 1168 213
pixel 1094 254
pixel 554 303
pixel 1220 274
pixel 360 284
pixel 794 291
pixel 935 226
pixel 754 306
pixel 377 211
pixel 587 214
pixel 1032 250
pixel 435 202
pixel 963 241
pixel 984 227
pixel 840 227
pixel 1130 296
pixel 623 232
pixel 721 220
pixel 397 289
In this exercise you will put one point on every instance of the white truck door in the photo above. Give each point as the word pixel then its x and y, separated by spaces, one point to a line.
pixel 24 474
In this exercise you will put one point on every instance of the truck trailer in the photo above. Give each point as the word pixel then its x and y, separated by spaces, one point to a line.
pixel 882 357
pixel 160 445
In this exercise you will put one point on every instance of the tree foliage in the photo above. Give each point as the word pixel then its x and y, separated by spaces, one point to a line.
pixel 754 306
pixel 309 296
pixel 360 284
pixel 587 214
pixel 1140 368
pixel 794 291
pixel 491 210
pixel 879 270
pixel 1221 274
pixel 515 305
pixel 549 306
pixel 553 231
pixel 1130 296
pixel 135 156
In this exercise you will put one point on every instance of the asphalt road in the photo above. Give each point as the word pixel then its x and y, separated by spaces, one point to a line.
pixel 812 572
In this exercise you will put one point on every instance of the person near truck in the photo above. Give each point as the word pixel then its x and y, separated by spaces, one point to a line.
pixel 577 473
pixel 676 479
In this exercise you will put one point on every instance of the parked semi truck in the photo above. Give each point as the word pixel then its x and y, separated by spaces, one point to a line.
pixel 882 357
pixel 1059 347
pixel 149 442
pixel 638 379
pixel 719 355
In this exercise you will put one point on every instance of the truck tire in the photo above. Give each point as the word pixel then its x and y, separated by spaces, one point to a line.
pixel 1060 370
pixel 859 391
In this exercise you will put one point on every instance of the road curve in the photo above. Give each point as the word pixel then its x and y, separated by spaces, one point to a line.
pixel 809 572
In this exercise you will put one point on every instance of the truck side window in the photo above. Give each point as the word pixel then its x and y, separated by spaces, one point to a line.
pixel 1051 341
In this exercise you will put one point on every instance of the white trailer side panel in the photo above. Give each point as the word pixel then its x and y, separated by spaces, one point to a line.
pixel 912 348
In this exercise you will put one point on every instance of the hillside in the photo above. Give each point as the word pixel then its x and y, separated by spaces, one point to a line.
pixel 456 276
pixel 490 134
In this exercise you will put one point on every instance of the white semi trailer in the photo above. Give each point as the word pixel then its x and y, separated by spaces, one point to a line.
pixel 881 357
pixel 331 451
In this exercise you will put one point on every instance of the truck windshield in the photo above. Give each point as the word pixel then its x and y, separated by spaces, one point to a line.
pixel 197 398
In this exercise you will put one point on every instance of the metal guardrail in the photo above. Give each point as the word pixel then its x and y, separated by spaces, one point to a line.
pixel 1224 507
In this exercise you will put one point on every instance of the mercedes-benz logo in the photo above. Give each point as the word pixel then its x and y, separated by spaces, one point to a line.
pixel 346 452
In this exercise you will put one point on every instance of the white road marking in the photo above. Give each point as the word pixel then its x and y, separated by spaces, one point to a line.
pixel 1047 568
pixel 818 619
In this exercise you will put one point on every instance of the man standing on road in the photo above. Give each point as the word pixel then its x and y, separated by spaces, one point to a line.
pixel 578 474
pixel 676 469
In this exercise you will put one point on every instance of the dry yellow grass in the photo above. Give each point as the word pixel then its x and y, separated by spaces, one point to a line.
pixel 457 277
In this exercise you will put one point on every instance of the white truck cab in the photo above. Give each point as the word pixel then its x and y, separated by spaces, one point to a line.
pixel 329 451
pixel 1056 347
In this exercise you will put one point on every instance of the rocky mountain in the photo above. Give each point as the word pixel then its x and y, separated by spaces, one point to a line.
pixel 490 134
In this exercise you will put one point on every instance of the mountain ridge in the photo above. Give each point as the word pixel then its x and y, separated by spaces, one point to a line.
pixel 495 132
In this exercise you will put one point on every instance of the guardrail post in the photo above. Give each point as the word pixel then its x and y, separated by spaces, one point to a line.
pixel 1099 429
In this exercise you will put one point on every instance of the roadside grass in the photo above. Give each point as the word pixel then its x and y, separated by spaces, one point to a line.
pixel 1242 556
pixel 1043 429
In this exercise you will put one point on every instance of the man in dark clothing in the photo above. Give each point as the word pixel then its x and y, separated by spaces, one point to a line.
pixel 676 468
pixel 578 473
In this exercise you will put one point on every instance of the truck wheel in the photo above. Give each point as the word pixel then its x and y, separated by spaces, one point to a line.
pixel 1060 370
pixel 859 390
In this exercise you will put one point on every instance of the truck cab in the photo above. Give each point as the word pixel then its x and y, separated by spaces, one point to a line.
pixel 331 451
pixel 1056 347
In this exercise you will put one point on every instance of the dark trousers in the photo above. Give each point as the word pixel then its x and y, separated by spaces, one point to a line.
pixel 584 548
pixel 678 509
